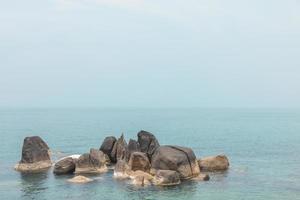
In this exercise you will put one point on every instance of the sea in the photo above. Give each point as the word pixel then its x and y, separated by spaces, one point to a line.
pixel 263 146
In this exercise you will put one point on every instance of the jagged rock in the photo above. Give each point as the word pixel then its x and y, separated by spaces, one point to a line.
pixel 148 143
pixel 141 178
pixel 80 179
pixel 166 178
pixel 139 161
pixel 93 162
pixel 176 158
pixel 133 146
pixel 35 155
pixel 108 145
pixel 120 150
pixel 64 166
pixel 214 163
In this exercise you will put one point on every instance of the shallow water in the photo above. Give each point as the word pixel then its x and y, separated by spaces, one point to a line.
pixel 263 146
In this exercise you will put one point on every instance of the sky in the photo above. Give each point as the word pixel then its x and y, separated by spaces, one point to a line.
pixel 149 53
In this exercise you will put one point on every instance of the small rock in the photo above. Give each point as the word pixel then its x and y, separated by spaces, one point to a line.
pixel 108 145
pixel 141 178
pixel 80 179
pixel 214 163
pixel 121 170
pixel 201 177
pixel 148 143
pixel 139 161
pixel 93 162
pixel 166 178
pixel 133 146
pixel 64 166
pixel 120 150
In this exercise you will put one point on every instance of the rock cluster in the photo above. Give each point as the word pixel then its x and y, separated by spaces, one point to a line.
pixel 143 161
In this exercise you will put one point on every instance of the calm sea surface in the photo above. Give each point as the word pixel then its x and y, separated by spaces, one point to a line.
pixel 263 146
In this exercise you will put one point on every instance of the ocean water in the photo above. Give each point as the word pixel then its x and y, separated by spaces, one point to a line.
pixel 263 146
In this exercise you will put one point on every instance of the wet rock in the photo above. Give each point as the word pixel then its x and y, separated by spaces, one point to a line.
pixel 166 178
pixel 108 145
pixel 139 161
pixel 201 177
pixel 80 179
pixel 141 178
pixel 148 143
pixel 214 163
pixel 35 155
pixel 65 166
pixel 121 170
pixel 93 162
pixel 176 158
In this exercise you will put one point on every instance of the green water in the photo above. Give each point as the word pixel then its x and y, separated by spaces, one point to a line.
pixel 263 146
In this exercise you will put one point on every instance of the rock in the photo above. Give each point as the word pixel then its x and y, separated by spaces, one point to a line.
pixel 93 162
pixel 121 170
pixel 201 177
pixel 133 146
pixel 108 145
pixel 35 155
pixel 64 166
pixel 141 178
pixel 80 179
pixel 148 143
pixel 139 161
pixel 214 163
pixel 120 150
pixel 107 159
pixel 166 178
pixel 179 159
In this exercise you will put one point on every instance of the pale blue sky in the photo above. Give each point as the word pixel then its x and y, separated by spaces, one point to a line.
pixel 150 53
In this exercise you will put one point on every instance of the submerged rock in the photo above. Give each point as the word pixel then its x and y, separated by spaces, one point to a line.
pixel 214 163
pixel 80 179
pixel 166 178
pixel 65 166
pixel 139 161
pixel 176 158
pixel 108 145
pixel 35 155
pixel 93 162
pixel 148 143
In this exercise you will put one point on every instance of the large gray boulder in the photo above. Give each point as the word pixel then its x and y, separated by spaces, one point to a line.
pixel 93 162
pixel 148 143
pixel 108 145
pixel 214 163
pixel 65 166
pixel 139 161
pixel 176 158
pixel 35 155
pixel 166 178
pixel 120 150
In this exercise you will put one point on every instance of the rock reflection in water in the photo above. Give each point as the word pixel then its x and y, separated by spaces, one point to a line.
pixel 33 184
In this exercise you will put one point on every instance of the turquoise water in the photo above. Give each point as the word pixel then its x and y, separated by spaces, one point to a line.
pixel 263 146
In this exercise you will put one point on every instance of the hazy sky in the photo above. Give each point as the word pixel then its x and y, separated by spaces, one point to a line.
pixel 150 53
